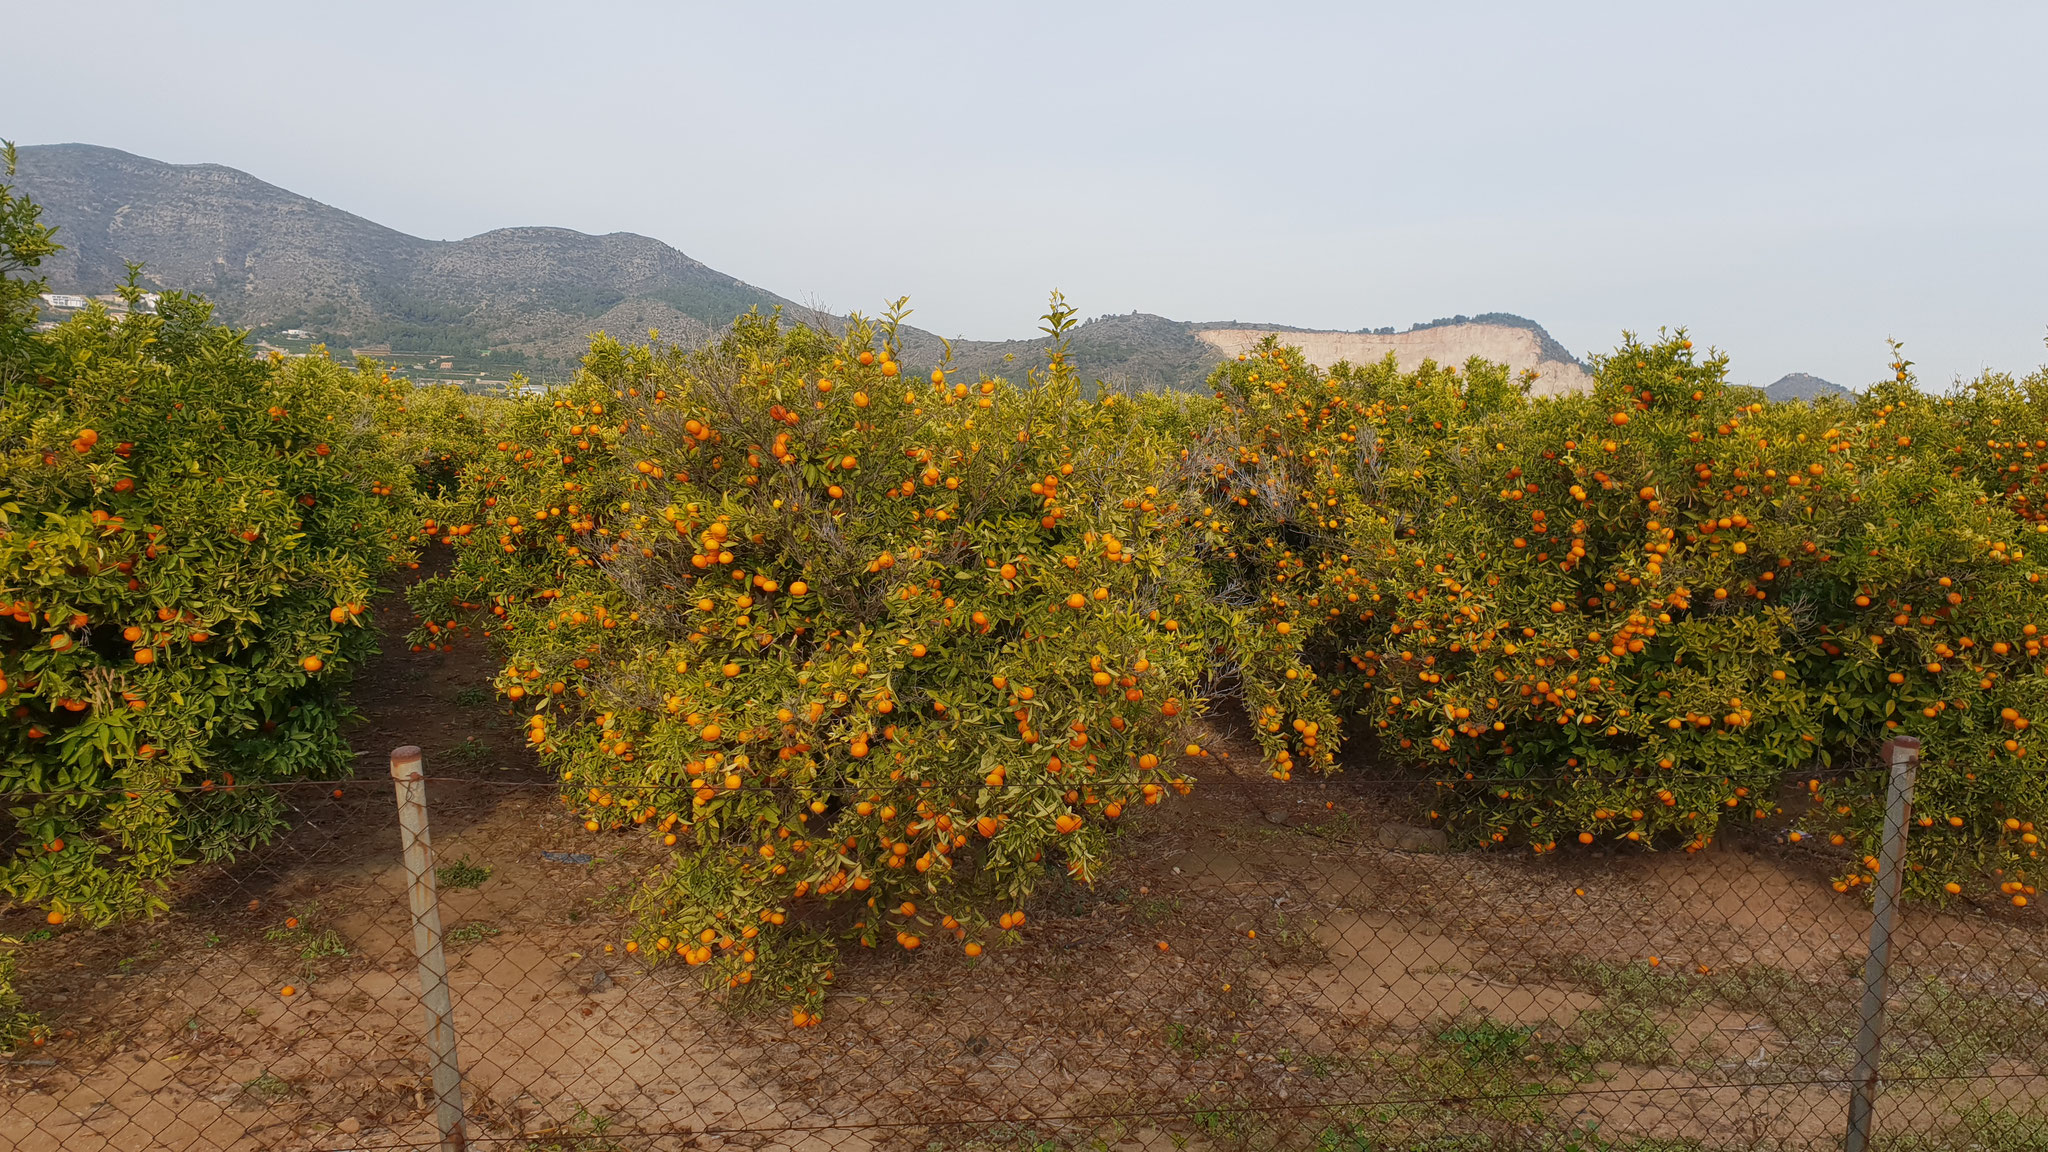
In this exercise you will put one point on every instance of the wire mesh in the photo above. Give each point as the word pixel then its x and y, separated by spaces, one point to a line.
pixel 1265 965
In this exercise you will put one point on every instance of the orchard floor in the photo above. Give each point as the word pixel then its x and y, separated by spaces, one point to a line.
pixel 1257 972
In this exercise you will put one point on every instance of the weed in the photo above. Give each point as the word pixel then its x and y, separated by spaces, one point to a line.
pixel 1345 1136
pixel 2000 1128
pixel 1292 943
pixel 460 874
pixel 471 933
pixel 1238 1125
pixel 1153 909
pixel 268 1088
pixel 1496 1070
pixel 582 1132
pixel 312 944
pixel 1320 1066
pixel 16 1025
pixel 471 753
pixel 1640 985
pixel 1192 1040
pixel 1625 1033
pixel 1340 826
pixel 472 696
pixel 1487 1042
pixel 1014 1139
pixel 1941 1030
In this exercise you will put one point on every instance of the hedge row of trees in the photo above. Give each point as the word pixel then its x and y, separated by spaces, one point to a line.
pixel 869 653
pixel 190 536
pixel 873 655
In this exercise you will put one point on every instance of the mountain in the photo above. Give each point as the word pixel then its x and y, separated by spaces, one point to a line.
pixel 297 271
pixel 1147 352
pixel 1521 344
pixel 1134 351
pixel 275 261
pixel 1800 386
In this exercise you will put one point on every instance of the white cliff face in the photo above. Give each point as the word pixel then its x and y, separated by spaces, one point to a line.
pixel 1451 344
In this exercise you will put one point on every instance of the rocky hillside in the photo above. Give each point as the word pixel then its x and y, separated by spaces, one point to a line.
pixel 1137 351
pixel 1520 344
pixel 276 261
pixel 1146 352
pixel 297 271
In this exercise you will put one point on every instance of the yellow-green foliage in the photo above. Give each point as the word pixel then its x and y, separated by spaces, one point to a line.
pixel 1632 613
pixel 189 536
pixel 868 654
pixel 16 1026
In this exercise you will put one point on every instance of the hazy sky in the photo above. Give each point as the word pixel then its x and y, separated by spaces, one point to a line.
pixel 1793 182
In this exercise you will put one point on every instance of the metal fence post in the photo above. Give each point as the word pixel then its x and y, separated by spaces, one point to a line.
pixel 1904 753
pixel 409 779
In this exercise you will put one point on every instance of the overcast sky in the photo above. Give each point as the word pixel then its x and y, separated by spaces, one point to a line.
pixel 1792 182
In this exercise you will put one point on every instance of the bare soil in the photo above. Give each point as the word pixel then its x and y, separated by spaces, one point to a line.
pixel 1256 971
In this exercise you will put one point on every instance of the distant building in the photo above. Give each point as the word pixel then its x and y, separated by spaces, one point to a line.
pixel 65 301
pixel 296 334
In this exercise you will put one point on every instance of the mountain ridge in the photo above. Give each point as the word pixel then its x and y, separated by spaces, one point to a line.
pixel 1802 386
pixel 525 298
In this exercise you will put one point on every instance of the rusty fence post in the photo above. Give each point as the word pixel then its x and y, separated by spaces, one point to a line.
pixel 408 776
pixel 1904 754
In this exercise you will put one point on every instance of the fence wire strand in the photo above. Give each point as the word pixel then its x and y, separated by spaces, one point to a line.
pixel 1265 965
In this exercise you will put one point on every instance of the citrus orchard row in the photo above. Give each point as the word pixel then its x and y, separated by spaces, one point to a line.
pixel 189 537
pixel 1634 613
pixel 869 653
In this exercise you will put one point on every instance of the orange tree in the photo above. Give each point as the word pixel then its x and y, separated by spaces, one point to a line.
pixel 1313 488
pixel 16 1024
pixel 187 541
pixel 869 654
pixel 1631 613
pixel 438 430
pixel 1993 431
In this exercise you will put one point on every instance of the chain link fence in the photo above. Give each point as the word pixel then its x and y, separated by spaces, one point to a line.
pixel 1266 966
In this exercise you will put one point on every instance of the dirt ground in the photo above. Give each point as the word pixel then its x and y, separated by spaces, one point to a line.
pixel 1258 970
